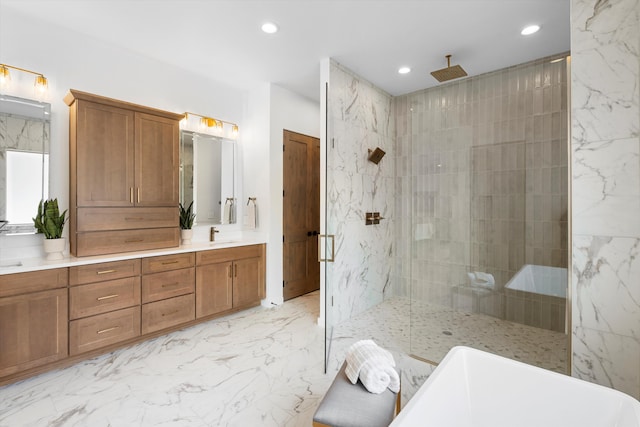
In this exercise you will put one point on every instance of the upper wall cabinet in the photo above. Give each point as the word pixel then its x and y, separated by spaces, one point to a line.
pixel 123 175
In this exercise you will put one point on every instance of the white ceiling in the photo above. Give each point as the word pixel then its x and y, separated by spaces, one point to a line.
pixel 222 38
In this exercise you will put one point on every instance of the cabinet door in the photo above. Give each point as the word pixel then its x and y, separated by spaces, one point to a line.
pixel 213 288
pixel 247 282
pixel 105 155
pixel 156 161
pixel 33 330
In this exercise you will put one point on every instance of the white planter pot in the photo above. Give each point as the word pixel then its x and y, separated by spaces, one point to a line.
pixel 54 248
pixel 186 236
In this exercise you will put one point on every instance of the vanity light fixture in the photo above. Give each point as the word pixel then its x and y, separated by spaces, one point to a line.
pixel 530 29
pixel 41 84
pixel 209 125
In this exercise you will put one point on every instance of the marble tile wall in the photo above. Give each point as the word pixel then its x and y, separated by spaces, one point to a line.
pixel 605 86
pixel 481 179
pixel 360 118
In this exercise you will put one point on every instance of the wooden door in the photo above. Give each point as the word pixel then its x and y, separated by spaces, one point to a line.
pixel 247 286
pixel 105 155
pixel 214 288
pixel 157 161
pixel 301 214
pixel 33 330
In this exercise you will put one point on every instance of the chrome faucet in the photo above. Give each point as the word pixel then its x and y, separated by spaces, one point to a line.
pixel 212 234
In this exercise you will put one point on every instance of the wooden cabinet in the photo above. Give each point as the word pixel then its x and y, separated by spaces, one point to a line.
pixel 168 285
pixel 214 288
pixel 227 279
pixel 33 319
pixel 54 317
pixel 123 170
pixel 104 304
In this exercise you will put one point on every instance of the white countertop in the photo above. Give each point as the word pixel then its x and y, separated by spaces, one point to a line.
pixel 33 264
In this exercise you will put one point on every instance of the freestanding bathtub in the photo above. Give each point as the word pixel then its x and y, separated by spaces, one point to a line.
pixel 537 296
pixel 473 388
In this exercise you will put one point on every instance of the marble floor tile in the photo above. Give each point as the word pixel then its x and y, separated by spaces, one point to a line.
pixel 260 367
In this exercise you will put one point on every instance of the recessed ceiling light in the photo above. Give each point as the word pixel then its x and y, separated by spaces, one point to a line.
pixel 269 27
pixel 528 30
pixel 404 70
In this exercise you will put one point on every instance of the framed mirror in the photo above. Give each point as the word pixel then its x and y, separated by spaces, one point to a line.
pixel 24 161
pixel 207 177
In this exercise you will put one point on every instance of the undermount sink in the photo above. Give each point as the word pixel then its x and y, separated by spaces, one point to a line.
pixel 220 242
pixel 11 264
pixel 473 388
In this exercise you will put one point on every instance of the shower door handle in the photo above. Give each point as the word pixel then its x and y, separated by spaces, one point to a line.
pixel 333 247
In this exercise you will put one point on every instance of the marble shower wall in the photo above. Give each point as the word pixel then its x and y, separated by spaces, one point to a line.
pixel 605 81
pixel 481 179
pixel 360 117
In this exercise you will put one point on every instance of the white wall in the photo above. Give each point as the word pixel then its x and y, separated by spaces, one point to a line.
pixel 70 60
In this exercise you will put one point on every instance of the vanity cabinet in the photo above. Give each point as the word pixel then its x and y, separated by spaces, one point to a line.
pixel 104 304
pixel 33 319
pixel 55 317
pixel 123 170
pixel 168 285
pixel 229 279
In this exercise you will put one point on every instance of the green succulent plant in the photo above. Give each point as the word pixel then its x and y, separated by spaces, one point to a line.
pixel 186 216
pixel 48 220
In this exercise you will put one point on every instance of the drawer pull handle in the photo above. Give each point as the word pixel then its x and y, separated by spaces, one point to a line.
pixel 102 331
pixel 170 313
pixel 235 270
pixel 107 297
pixel 170 262
pixel 230 271
pixel 134 241
pixel 134 218
pixel 170 285
pixel 106 271
pixel 131 195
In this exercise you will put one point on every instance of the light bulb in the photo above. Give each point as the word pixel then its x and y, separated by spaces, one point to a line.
pixel 5 76
pixel 41 84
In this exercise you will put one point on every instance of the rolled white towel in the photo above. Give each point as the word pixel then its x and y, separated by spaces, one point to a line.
pixel 378 362
pixel 377 378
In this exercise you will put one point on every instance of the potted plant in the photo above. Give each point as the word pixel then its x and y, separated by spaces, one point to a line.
pixel 186 222
pixel 50 222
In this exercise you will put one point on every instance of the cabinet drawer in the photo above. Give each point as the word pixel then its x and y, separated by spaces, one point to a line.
pixel 100 219
pixel 157 264
pixel 104 271
pixel 104 329
pixel 227 254
pixel 33 281
pixel 170 312
pixel 97 298
pixel 109 242
pixel 168 284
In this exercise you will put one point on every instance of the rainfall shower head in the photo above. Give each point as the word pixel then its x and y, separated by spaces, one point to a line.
pixel 450 72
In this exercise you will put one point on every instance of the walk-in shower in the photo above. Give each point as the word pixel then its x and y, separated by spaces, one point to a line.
pixel 474 187
pixel 484 193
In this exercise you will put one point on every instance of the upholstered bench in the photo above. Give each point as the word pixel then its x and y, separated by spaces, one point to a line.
pixel 351 405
